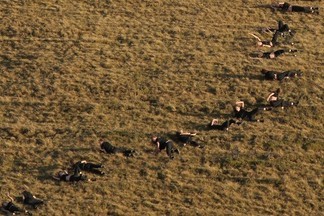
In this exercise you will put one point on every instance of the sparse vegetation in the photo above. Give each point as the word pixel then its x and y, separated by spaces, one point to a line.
pixel 76 71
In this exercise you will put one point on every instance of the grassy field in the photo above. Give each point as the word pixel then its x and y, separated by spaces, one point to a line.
pixel 73 72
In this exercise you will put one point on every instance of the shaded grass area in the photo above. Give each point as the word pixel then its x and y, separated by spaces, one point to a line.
pixel 75 72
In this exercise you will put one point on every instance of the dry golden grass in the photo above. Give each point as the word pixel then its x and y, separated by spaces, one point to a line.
pixel 76 71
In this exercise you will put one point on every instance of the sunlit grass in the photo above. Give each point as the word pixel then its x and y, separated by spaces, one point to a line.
pixel 75 72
